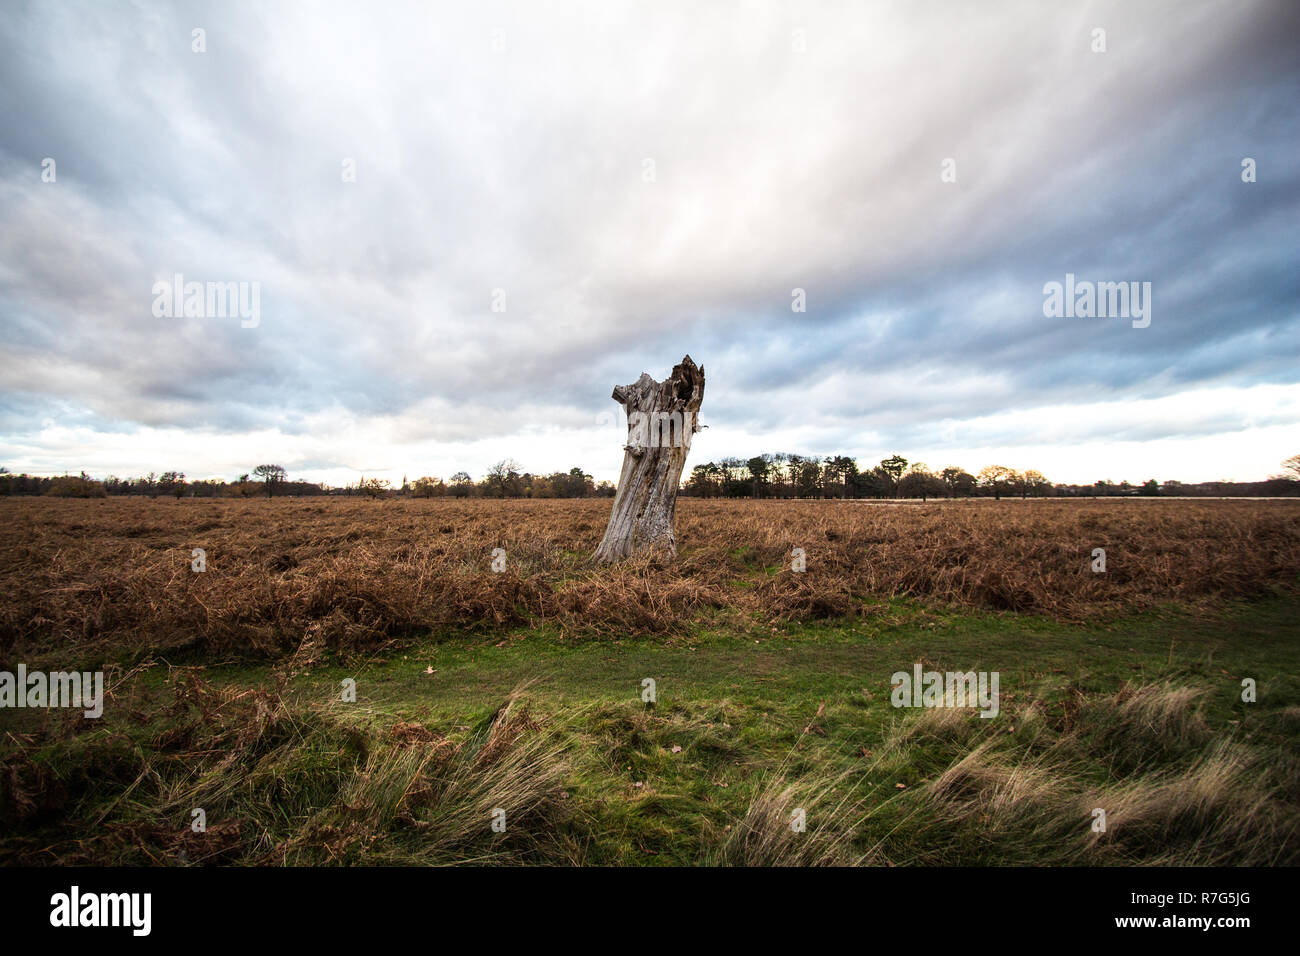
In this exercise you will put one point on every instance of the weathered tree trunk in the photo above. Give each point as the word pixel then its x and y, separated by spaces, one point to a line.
pixel 661 418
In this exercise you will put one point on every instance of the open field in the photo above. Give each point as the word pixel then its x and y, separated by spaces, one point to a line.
pixel 113 577
pixel 521 690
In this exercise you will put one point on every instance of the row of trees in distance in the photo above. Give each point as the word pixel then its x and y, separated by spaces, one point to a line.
pixel 764 476
pixel 505 479
pixel 840 476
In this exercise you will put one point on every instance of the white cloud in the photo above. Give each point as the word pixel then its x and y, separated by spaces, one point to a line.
pixel 522 170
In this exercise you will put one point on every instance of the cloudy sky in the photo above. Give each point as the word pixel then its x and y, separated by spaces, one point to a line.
pixel 466 223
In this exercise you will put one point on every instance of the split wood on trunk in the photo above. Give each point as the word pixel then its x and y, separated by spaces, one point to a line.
pixel 661 418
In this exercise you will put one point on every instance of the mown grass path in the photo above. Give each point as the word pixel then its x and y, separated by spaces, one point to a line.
pixel 789 668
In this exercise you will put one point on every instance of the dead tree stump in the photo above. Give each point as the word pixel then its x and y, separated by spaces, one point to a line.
pixel 661 418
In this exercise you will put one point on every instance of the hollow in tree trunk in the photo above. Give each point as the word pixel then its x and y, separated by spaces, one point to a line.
pixel 661 418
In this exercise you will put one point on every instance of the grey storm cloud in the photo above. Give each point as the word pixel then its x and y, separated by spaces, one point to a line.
pixel 640 182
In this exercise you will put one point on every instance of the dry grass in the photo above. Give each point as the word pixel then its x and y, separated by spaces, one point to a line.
pixel 767 836
pixel 286 783
pixel 1173 792
pixel 293 576
pixel 290 781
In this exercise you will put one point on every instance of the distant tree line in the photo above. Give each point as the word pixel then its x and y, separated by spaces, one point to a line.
pixel 787 475
pixel 271 480
pixel 506 479
pixel 764 476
